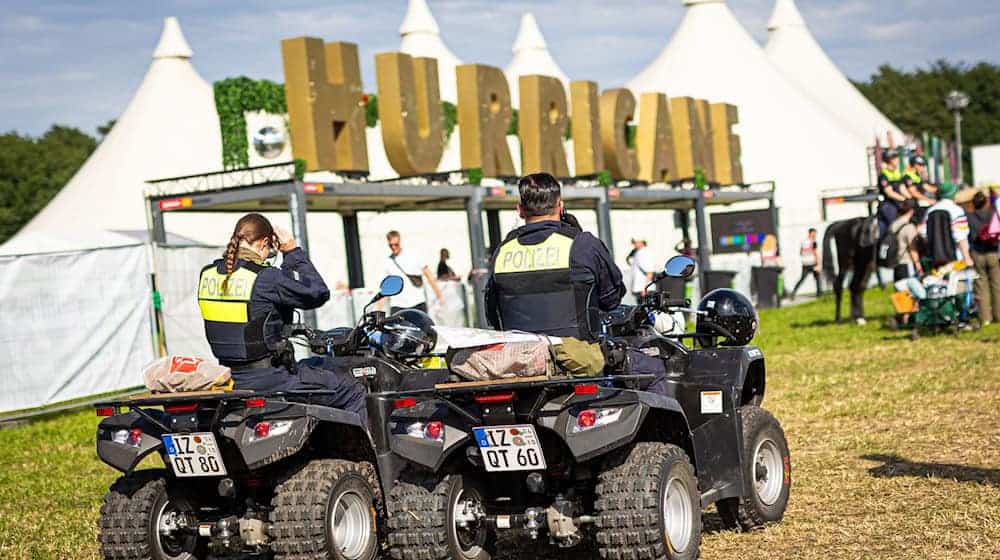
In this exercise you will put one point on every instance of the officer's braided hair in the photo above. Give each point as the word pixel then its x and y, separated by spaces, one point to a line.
pixel 250 228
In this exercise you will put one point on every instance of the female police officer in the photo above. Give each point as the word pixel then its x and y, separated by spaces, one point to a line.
pixel 245 304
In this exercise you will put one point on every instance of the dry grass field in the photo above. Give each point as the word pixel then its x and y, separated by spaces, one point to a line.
pixel 895 451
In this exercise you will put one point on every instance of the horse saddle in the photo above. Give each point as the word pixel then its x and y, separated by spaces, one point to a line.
pixel 867 235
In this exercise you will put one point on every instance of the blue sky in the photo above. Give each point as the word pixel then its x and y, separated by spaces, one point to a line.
pixel 78 63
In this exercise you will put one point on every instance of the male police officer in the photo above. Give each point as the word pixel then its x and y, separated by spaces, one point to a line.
pixel 549 277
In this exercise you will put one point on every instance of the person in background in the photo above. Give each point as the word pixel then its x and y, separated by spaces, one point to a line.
pixel 983 247
pixel 809 256
pixel 642 268
pixel 413 271
pixel 444 272
pixel 907 257
pixel 889 187
pixel 947 227
pixel 769 251
pixel 915 181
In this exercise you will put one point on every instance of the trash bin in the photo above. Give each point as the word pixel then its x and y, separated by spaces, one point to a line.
pixel 765 283
pixel 715 279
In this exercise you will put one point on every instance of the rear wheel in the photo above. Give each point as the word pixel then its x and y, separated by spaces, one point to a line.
pixel 432 520
pixel 141 520
pixel 327 509
pixel 649 506
pixel 767 473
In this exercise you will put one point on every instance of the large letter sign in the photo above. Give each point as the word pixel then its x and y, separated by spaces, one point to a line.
pixel 409 108
pixel 725 144
pixel 617 108
pixel 654 139
pixel 588 155
pixel 325 109
pixel 483 117
pixel 541 125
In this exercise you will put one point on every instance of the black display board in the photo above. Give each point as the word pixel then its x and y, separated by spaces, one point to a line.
pixel 740 232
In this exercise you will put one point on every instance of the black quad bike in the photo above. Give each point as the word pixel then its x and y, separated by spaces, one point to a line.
pixel 595 462
pixel 247 473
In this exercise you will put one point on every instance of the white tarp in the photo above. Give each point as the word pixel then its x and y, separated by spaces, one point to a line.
pixel 73 325
pixel 177 272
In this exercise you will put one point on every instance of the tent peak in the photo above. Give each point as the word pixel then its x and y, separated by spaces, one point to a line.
pixel 785 14
pixel 529 36
pixel 419 19
pixel 172 43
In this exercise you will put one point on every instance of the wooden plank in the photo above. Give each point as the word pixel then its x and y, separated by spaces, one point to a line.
pixel 185 394
pixel 488 382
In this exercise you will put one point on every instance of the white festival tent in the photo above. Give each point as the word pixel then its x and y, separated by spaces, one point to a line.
pixel 784 135
pixel 421 36
pixel 794 50
pixel 169 128
pixel 531 56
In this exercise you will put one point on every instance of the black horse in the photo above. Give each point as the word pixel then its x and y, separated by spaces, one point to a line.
pixel 856 240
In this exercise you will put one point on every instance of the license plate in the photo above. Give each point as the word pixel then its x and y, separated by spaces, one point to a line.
pixel 509 448
pixel 194 454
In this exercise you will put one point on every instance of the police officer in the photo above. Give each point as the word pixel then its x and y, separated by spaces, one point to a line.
pixel 914 180
pixel 549 277
pixel 246 303
pixel 892 191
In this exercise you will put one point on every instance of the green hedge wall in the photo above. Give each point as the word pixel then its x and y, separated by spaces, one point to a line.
pixel 233 97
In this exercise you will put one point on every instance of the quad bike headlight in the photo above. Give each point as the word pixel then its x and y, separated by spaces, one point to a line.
pixel 590 418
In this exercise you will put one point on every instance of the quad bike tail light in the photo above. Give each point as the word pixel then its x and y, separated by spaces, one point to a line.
pixel 585 389
pixel 431 431
pixel 595 418
pixel 106 411
pixel 180 408
pixel 270 428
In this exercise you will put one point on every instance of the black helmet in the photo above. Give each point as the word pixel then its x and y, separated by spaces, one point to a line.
pixel 731 311
pixel 918 160
pixel 409 332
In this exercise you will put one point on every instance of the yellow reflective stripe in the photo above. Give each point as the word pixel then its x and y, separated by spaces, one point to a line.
pixel 551 254
pixel 224 311
pixel 239 287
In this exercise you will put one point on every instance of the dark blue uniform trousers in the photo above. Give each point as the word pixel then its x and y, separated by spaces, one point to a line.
pixel 347 392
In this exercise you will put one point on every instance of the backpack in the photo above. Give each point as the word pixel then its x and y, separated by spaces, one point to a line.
pixel 990 232
pixel 939 239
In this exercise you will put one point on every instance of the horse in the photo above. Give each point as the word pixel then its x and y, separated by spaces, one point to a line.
pixel 856 244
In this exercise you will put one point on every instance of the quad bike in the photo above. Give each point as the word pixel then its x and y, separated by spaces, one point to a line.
pixel 246 472
pixel 593 462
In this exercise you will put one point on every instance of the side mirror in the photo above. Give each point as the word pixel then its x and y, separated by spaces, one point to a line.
pixel 390 286
pixel 680 266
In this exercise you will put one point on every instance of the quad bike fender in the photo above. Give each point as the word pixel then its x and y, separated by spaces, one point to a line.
pixel 425 452
pixel 594 442
pixel 740 370
pixel 122 456
pixel 299 422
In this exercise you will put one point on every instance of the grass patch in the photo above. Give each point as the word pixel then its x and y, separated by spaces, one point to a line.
pixel 895 450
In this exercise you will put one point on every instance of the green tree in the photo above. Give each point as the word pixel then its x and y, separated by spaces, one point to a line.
pixel 33 170
pixel 915 101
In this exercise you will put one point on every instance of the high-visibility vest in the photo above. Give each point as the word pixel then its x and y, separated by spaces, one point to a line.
pixel 535 288
pixel 233 334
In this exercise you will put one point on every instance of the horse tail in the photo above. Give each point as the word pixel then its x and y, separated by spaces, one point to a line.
pixel 828 267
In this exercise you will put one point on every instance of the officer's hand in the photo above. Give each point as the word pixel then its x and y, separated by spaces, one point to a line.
pixel 285 240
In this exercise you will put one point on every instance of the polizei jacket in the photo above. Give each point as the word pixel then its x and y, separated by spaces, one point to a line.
pixel 552 278
pixel 244 323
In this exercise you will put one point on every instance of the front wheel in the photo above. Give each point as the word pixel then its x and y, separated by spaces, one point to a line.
pixel 767 473
pixel 438 519
pixel 141 520
pixel 649 506
pixel 327 509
